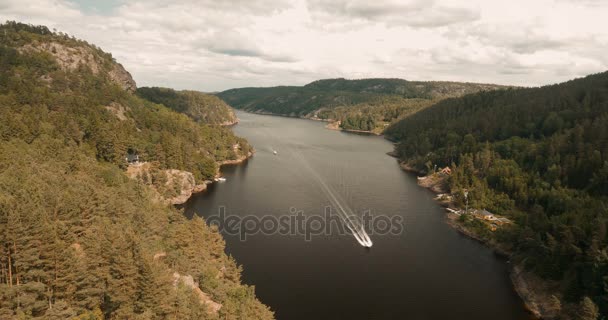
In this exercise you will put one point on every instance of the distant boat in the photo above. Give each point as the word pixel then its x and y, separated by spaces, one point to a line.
pixel 274 152
pixel 220 179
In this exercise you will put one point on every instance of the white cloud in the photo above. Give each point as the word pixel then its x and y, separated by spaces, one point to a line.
pixel 414 13
pixel 213 45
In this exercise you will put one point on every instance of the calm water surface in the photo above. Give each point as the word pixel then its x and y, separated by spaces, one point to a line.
pixel 429 271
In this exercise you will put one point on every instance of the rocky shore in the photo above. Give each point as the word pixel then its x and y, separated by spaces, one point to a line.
pixel 229 123
pixel 179 185
pixel 540 297
pixel 238 160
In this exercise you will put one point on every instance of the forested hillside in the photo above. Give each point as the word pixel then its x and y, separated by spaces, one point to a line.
pixel 539 156
pixel 199 106
pixel 78 239
pixel 366 104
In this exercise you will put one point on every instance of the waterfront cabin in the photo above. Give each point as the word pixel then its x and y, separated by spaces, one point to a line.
pixel 484 215
pixel 132 158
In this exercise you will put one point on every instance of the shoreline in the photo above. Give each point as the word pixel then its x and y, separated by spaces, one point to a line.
pixel 199 188
pixel 238 160
pixel 229 123
pixel 537 294
pixel 330 122
pixel 203 186
pixel 220 164
pixel 333 125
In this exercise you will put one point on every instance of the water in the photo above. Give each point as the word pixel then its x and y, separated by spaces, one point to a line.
pixel 430 271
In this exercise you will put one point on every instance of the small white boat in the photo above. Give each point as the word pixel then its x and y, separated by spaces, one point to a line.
pixel 220 179
pixel 274 152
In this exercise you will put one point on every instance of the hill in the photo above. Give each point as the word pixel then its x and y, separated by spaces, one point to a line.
pixel 366 104
pixel 78 238
pixel 199 106
pixel 538 156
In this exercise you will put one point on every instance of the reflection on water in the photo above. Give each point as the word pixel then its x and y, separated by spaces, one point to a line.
pixel 427 272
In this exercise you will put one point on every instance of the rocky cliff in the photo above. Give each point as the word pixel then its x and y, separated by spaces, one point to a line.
pixel 170 186
pixel 70 57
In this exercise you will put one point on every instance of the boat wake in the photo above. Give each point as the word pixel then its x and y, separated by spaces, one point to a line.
pixel 346 214
pixel 350 220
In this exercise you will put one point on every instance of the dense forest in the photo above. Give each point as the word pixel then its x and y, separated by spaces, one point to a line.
pixel 538 156
pixel 78 239
pixel 366 104
pixel 199 106
pixel 374 116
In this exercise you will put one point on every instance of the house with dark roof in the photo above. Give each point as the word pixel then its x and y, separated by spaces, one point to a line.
pixel 484 215
pixel 132 158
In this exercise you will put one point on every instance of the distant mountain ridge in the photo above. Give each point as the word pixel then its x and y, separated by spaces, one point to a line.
pixel 330 93
pixel 365 104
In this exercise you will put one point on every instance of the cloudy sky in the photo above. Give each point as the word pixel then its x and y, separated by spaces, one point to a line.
pixel 212 45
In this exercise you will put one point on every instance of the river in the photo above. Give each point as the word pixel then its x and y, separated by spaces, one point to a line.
pixel 428 271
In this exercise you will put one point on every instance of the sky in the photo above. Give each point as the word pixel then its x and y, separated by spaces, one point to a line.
pixel 213 45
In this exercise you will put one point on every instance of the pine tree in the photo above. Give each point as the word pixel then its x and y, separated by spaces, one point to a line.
pixel 588 310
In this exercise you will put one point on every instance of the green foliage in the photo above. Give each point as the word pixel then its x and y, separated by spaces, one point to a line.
pixel 375 115
pixel 588 310
pixel 367 104
pixel 199 106
pixel 78 239
pixel 33 95
pixel 538 156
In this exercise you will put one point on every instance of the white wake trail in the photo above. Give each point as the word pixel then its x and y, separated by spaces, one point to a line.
pixel 344 211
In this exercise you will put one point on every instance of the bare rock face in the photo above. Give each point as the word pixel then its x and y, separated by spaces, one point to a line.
pixel 540 297
pixel 70 58
pixel 177 185
pixel 204 298
pixel 232 119
pixel 123 78
pixel 118 110
pixel 182 180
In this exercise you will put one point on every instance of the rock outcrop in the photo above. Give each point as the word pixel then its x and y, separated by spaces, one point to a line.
pixel 436 182
pixel 122 77
pixel 232 120
pixel 170 186
pixel 70 58
pixel 118 110
pixel 184 182
pixel 187 280
pixel 240 159
pixel 537 294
